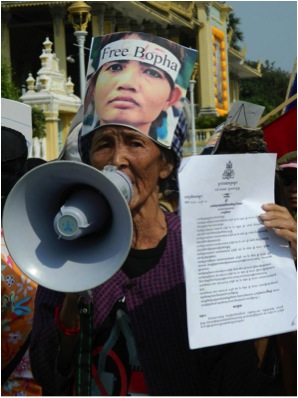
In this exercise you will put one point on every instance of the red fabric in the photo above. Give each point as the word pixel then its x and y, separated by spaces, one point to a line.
pixel 121 370
pixel 281 134
pixel 137 383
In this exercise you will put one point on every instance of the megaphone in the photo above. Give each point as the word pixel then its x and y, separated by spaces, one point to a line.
pixel 51 231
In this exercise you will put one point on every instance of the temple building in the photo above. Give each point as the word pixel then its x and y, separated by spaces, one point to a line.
pixel 65 30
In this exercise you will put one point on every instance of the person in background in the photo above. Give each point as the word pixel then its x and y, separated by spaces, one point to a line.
pixel 211 143
pixel 279 216
pixel 17 290
pixel 287 170
pixel 287 343
pixel 239 139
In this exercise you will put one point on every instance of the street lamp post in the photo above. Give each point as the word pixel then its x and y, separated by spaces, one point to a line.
pixel 79 15
pixel 193 128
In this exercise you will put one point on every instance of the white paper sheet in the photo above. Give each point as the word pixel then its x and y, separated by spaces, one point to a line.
pixel 240 277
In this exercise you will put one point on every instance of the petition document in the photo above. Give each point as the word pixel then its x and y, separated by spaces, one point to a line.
pixel 240 277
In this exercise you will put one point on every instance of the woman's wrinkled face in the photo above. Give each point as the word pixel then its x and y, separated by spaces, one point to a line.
pixel 134 154
pixel 132 92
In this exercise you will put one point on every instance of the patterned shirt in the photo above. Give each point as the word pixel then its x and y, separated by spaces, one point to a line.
pixel 17 307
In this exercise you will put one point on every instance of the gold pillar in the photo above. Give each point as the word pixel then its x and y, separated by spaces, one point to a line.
pixel 206 84
pixel 58 14
pixel 234 91
pixel 52 127
pixel 98 16
pixel 96 26
pixel 66 120
pixel 224 15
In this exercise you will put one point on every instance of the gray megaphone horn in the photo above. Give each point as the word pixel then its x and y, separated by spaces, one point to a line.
pixel 68 226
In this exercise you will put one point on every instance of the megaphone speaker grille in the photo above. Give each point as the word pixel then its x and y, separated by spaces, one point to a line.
pixel 59 264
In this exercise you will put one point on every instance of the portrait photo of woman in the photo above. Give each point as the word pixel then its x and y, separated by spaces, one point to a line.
pixel 139 80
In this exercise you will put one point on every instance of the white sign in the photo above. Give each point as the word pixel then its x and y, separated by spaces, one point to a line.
pixel 240 277
pixel 245 114
pixel 17 116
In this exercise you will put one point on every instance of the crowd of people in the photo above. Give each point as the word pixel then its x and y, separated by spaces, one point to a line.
pixel 129 335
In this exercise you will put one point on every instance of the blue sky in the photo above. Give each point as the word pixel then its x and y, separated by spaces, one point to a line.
pixel 270 30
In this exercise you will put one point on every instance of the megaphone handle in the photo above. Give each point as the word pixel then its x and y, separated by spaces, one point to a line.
pixel 84 359
pixel 86 295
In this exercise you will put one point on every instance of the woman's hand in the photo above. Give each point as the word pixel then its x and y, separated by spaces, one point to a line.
pixel 283 223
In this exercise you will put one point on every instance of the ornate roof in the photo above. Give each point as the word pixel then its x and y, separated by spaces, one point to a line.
pixel 239 67
pixel 180 13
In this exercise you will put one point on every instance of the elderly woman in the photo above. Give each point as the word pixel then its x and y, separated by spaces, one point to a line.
pixel 139 342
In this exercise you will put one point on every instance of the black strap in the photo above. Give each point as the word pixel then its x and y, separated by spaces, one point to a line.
pixel 10 367
pixel 84 362
pixel 270 363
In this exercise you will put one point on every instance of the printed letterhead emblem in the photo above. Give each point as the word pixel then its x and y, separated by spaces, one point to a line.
pixel 229 172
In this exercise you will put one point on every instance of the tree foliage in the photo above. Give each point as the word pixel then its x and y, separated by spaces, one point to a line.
pixel 269 90
pixel 38 122
pixel 9 90
pixel 237 35
pixel 208 121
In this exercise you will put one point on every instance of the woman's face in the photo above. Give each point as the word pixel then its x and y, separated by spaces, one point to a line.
pixel 289 177
pixel 133 93
pixel 134 154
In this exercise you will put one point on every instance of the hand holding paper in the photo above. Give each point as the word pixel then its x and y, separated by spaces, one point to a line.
pixel 240 275
pixel 280 219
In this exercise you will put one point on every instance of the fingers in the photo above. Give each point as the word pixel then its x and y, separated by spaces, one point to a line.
pixel 286 234
pixel 282 222
pixel 278 217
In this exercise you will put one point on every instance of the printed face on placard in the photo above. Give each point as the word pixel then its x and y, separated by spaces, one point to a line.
pixel 138 80
pixel 127 93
